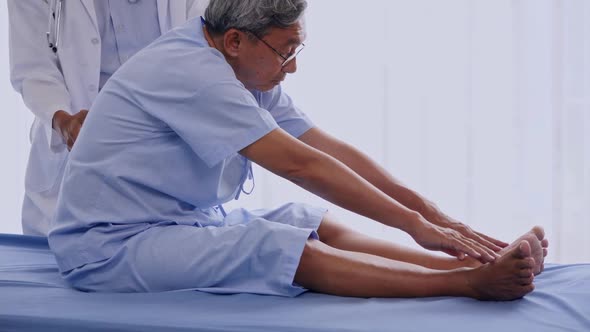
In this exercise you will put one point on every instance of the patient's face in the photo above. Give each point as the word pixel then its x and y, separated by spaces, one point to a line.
pixel 260 67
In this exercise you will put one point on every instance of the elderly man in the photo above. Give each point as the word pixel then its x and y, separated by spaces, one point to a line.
pixel 172 136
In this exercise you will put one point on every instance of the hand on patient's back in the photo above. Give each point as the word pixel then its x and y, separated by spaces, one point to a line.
pixel 69 125
pixel 452 242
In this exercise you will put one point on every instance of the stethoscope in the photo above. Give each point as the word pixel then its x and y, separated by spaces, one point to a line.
pixel 55 13
pixel 53 33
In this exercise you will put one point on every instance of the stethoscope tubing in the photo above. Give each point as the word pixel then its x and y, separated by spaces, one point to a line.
pixel 54 23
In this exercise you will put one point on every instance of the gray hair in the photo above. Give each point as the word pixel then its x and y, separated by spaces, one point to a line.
pixel 255 16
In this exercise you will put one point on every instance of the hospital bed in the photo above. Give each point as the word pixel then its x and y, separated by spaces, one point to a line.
pixel 34 298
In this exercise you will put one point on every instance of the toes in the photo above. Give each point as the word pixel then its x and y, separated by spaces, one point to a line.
pixel 522 290
pixel 539 232
pixel 524 250
pixel 525 281
pixel 530 262
pixel 528 288
pixel 544 243
pixel 525 263
pixel 524 273
pixel 545 252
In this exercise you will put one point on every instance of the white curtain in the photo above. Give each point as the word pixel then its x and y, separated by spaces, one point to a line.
pixel 482 106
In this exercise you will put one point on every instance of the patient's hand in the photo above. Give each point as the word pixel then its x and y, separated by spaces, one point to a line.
pixel 443 220
pixel 450 241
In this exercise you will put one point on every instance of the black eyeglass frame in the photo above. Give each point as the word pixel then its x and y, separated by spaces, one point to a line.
pixel 286 59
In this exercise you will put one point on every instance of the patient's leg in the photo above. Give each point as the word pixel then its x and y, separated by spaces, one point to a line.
pixel 342 237
pixel 330 270
pixel 339 236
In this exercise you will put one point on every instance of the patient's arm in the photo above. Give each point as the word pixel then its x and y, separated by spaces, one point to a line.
pixel 384 181
pixel 332 180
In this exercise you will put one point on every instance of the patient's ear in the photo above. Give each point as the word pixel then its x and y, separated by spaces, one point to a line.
pixel 232 42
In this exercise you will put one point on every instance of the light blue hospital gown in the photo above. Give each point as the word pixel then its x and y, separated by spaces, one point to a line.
pixel 157 153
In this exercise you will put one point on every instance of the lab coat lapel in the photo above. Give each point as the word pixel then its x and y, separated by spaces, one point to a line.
pixel 177 12
pixel 89 6
pixel 163 16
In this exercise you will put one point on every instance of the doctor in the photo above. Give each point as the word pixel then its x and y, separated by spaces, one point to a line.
pixel 89 39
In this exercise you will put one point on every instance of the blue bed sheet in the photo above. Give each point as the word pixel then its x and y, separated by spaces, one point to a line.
pixel 34 298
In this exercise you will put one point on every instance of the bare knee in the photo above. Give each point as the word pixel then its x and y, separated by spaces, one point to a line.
pixel 313 257
pixel 330 230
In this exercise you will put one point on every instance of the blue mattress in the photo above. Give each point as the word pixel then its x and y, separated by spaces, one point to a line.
pixel 34 298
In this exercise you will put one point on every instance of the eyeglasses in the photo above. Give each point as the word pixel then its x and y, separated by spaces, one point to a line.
pixel 286 59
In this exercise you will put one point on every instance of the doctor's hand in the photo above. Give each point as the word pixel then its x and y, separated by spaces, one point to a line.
pixel 450 241
pixel 69 125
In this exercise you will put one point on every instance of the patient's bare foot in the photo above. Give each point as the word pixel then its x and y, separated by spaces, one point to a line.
pixel 510 277
pixel 536 239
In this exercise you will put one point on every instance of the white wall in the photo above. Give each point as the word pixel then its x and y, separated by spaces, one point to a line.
pixel 465 101
pixel 482 106
pixel 14 139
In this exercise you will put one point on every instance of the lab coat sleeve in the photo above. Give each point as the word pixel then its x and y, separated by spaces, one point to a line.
pixel 34 69
pixel 196 8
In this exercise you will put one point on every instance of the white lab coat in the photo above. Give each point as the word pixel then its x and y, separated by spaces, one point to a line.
pixel 65 81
